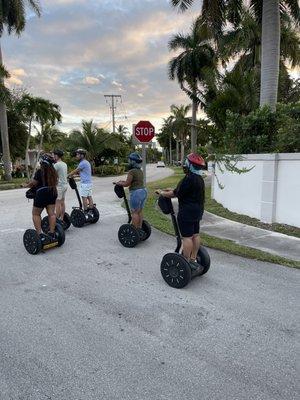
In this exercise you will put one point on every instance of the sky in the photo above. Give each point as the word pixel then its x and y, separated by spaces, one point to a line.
pixel 80 50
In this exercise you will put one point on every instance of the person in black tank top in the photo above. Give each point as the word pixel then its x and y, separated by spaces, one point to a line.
pixel 190 192
pixel 44 183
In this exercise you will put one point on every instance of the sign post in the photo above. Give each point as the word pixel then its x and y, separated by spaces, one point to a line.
pixel 144 132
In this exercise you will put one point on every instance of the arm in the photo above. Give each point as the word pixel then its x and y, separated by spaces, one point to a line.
pixel 74 172
pixel 169 193
pixel 126 183
pixel 32 183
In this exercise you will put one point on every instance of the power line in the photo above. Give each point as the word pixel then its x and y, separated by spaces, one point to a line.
pixel 112 100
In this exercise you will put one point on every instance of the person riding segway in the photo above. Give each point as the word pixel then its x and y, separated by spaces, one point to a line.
pixel 43 190
pixel 190 192
pixel 139 229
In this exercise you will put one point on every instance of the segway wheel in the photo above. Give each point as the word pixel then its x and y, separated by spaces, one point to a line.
pixel 147 229
pixel 175 270
pixel 128 235
pixel 61 237
pixel 96 216
pixel 32 241
pixel 67 221
pixel 77 218
pixel 203 259
pixel 45 224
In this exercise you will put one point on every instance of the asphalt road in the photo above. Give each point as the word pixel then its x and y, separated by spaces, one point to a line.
pixel 95 321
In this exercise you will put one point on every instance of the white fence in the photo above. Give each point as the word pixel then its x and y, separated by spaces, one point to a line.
pixel 269 192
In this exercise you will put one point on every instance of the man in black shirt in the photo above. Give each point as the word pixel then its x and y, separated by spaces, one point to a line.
pixel 190 192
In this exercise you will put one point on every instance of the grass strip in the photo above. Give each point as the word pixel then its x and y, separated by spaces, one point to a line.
pixel 164 224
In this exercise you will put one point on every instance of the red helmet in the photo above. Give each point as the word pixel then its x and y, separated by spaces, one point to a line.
pixel 196 160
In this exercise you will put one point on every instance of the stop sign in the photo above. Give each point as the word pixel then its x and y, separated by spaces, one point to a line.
pixel 144 131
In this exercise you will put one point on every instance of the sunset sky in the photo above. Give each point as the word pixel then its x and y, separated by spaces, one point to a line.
pixel 80 50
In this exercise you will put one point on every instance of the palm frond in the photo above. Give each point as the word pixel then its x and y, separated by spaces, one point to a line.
pixel 182 5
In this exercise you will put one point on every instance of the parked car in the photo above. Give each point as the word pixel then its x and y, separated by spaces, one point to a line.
pixel 161 164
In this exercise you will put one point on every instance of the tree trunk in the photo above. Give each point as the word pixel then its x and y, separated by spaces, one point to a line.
pixel 270 56
pixel 177 150
pixel 4 134
pixel 170 149
pixel 27 148
pixel 182 151
pixel 38 154
pixel 193 127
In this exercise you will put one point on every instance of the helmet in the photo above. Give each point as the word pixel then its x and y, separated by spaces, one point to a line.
pixel 58 153
pixel 135 157
pixel 196 160
pixel 194 163
pixel 47 160
pixel 80 151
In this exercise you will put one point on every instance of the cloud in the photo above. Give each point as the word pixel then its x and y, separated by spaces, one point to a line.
pixel 91 80
pixel 80 50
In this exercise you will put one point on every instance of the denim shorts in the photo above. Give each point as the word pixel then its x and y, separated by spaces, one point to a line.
pixel 138 198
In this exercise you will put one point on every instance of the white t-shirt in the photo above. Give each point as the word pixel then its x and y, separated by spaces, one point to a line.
pixel 62 172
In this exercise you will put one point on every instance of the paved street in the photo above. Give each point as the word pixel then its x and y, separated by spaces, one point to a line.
pixel 93 320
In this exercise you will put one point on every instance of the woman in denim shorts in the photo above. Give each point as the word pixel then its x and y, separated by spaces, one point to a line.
pixel 137 190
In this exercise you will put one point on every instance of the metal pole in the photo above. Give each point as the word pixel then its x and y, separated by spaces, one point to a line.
pixel 144 155
pixel 113 114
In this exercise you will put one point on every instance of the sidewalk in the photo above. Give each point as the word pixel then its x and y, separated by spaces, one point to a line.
pixel 261 239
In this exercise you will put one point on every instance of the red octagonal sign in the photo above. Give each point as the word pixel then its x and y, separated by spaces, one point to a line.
pixel 144 131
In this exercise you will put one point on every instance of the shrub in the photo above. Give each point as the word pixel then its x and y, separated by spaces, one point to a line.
pixel 263 131
pixel 109 170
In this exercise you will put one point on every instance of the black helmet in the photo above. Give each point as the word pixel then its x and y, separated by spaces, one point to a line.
pixel 58 152
pixel 47 160
pixel 80 151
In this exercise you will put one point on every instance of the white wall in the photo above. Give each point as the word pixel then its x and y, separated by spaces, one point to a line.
pixel 269 192
pixel 288 190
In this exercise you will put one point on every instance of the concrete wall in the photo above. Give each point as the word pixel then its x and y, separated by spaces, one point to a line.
pixel 269 192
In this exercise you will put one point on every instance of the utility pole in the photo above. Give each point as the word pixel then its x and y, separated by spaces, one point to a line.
pixel 112 100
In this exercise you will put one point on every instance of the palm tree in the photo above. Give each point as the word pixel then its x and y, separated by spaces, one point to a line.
pixel 94 140
pixel 12 16
pixel 122 130
pixel 217 12
pixel 181 125
pixel 34 109
pixel 48 116
pixel 192 67
pixel 166 136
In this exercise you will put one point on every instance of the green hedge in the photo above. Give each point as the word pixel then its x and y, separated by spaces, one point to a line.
pixel 109 170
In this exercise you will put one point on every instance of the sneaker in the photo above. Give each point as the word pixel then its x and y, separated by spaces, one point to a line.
pixel 142 234
pixel 194 265
pixel 43 237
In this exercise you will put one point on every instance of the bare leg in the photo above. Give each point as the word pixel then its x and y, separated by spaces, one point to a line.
pixel 196 246
pixel 141 217
pixel 187 246
pixel 136 219
pixel 59 209
pixel 91 203
pixel 36 219
pixel 52 217
pixel 85 203
pixel 62 208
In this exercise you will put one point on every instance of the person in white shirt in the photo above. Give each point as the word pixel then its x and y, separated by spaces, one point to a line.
pixel 62 186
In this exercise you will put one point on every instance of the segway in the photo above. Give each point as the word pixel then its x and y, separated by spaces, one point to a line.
pixel 129 235
pixel 79 217
pixel 35 243
pixel 175 268
pixel 65 223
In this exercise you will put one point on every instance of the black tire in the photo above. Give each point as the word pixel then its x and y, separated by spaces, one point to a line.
pixel 32 241
pixel 203 259
pixel 147 229
pixel 175 270
pixel 96 216
pixel 77 218
pixel 45 224
pixel 61 237
pixel 128 236
pixel 67 221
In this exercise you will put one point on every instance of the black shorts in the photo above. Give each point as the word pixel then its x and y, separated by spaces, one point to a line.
pixel 44 197
pixel 188 228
